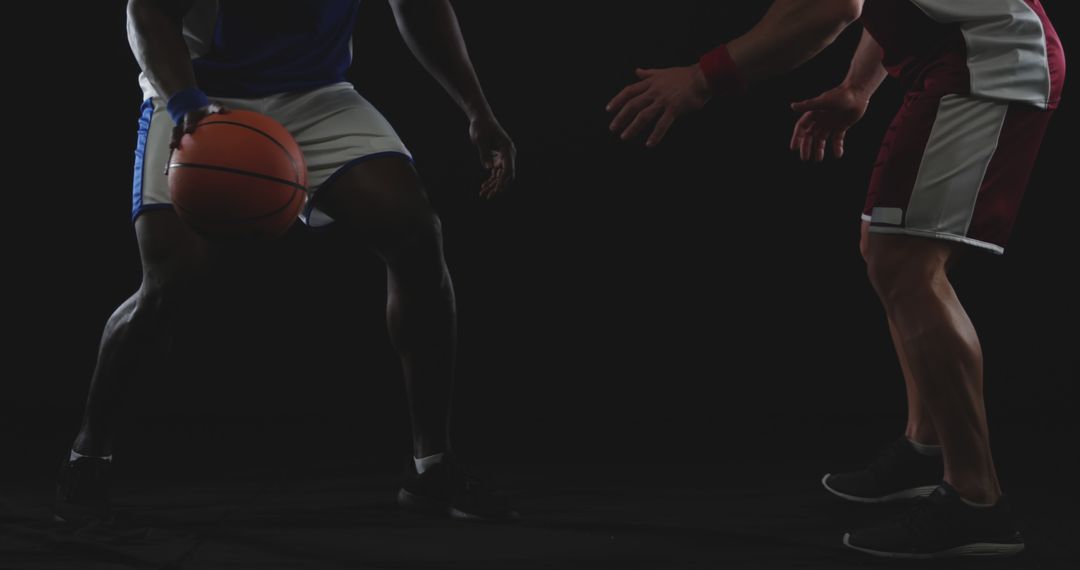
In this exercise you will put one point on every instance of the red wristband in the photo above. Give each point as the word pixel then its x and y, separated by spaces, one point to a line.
pixel 721 72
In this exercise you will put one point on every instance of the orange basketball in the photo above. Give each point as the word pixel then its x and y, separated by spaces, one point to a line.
pixel 239 175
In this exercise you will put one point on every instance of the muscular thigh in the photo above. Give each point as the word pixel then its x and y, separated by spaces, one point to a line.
pixel 381 199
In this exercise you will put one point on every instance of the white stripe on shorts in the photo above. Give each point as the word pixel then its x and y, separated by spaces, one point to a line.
pixel 961 146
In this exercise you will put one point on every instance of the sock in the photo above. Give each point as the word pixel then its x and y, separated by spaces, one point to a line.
pixel 923 449
pixel 76 455
pixel 425 463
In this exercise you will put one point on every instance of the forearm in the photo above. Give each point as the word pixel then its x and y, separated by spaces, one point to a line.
pixel 155 33
pixel 791 33
pixel 866 72
pixel 430 29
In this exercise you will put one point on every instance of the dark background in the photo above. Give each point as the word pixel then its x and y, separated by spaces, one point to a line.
pixel 685 304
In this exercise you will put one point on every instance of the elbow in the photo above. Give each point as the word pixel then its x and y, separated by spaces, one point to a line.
pixel 844 12
pixel 832 18
pixel 173 10
pixel 403 10
pixel 136 9
pixel 140 7
pixel 404 5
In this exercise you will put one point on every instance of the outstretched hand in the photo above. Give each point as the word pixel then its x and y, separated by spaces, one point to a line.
pixel 497 154
pixel 659 98
pixel 825 122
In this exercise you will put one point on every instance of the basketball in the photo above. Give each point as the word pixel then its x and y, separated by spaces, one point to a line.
pixel 239 175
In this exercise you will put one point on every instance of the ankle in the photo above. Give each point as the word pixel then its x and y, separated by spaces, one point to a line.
pixel 427 462
pixel 89 447
pixel 976 493
pixel 921 435
pixel 924 449
pixel 73 455
pixel 427 448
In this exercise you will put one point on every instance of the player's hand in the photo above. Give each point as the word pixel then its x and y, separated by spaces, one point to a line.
pixel 191 120
pixel 653 103
pixel 825 122
pixel 497 154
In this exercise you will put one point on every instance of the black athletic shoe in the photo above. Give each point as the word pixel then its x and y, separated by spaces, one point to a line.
pixel 82 490
pixel 899 473
pixel 942 526
pixel 447 489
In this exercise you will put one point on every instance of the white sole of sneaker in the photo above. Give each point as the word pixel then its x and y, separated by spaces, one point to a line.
pixel 510 518
pixel 464 516
pixel 904 495
pixel 427 505
pixel 421 504
pixel 973 550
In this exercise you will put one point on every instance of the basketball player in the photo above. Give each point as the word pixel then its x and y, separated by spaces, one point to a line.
pixel 288 60
pixel 983 77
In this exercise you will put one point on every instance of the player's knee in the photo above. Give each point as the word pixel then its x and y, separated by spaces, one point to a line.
pixel 429 227
pixel 416 257
pixel 163 290
pixel 151 304
pixel 864 241
pixel 899 277
pixel 414 233
pixel 884 270
pixel 155 301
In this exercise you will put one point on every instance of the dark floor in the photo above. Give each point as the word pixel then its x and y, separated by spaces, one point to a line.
pixel 340 514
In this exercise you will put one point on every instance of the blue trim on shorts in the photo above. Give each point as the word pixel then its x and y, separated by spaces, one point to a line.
pixel 146 114
pixel 310 206
pixel 150 208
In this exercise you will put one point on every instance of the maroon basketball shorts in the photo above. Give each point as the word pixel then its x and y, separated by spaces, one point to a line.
pixel 955 168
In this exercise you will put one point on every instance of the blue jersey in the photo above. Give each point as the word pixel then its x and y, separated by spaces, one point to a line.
pixel 255 48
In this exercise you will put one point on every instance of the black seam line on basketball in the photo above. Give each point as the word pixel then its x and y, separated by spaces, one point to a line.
pixel 295 167
pixel 243 220
pixel 237 171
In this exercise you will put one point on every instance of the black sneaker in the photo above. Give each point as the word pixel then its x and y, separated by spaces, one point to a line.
pixel 447 489
pixel 942 526
pixel 82 490
pixel 899 473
